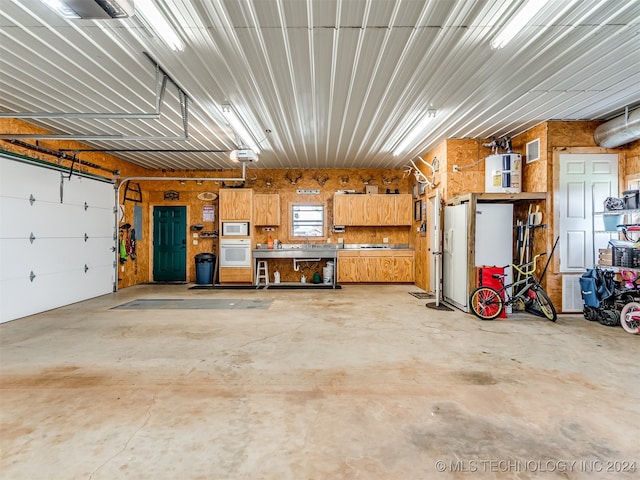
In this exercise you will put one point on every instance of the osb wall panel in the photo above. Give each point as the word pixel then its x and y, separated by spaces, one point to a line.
pixel 104 160
pixel 534 174
pixel 285 183
pixel 468 155
pixel 417 241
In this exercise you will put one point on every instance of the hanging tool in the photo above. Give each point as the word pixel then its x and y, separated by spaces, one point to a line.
pixel 555 244
pixel 526 238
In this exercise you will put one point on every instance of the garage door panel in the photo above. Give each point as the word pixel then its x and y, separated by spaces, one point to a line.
pixel 46 292
pixel 72 254
pixel 42 183
pixel 43 219
pixel 99 222
pixel 79 191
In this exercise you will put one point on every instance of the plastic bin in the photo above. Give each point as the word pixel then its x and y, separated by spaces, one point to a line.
pixel 204 268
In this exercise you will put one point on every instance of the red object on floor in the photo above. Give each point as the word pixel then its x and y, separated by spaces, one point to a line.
pixel 485 279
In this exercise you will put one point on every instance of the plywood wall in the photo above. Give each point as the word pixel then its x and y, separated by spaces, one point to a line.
pixel 327 182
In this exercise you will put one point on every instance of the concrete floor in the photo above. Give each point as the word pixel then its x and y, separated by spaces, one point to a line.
pixel 359 383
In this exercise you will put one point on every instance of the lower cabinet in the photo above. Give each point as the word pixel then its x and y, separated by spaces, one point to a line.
pixel 363 266
pixel 236 275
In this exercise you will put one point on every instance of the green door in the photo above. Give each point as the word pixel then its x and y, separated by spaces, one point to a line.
pixel 169 244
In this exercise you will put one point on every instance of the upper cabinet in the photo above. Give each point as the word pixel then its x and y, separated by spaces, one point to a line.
pixel 372 210
pixel 235 204
pixel 266 209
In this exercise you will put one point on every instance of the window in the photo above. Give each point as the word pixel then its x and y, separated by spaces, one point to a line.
pixel 307 220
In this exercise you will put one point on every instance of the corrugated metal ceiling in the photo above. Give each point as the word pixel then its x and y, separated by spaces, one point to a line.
pixel 338 83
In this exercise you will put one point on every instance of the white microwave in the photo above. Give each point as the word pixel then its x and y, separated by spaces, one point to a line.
pixel 235 229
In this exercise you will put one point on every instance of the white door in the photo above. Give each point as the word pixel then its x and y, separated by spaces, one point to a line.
pixel 454 258
pixel 585 181
pixel 57 242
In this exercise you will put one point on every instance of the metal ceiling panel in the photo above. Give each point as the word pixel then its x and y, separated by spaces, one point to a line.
pixel 338 83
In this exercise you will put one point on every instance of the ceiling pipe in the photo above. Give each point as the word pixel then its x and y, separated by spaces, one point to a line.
pixel 619 131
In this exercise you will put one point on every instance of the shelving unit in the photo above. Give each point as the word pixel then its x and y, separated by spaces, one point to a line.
pixel 631 216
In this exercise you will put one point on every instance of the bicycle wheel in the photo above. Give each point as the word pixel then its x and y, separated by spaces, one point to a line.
pixel 486 303
pixel 542 305
pixel 630 317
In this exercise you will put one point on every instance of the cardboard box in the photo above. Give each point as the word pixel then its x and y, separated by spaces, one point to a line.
pixel 371 189
pixel 605 257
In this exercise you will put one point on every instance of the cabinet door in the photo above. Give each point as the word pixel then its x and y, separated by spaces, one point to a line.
pixel 372 209
pixel 403 209
pixel 266 209
pixel 403 267
pixel 235 204
pixel 341 207
pixel 387 210
pixel 374 267
pixel 357 210
pixel 347 269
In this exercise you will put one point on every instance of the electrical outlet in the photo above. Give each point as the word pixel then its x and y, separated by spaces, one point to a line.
pixel 385 240
pixel 340 240
pixel 455 169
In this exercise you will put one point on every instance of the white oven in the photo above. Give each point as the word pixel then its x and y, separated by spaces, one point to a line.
pixel 235 252
pixel 235 229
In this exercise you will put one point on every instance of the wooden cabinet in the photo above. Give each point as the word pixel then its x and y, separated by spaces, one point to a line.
pixel 403 209
pixel 236 275
pixel 266 209
pixel 372 210
pixel 375 267
pixel 366 266
pixel 403 267
pixel 235 204
pixel 348 267
pixel 341 207
pixel 358 210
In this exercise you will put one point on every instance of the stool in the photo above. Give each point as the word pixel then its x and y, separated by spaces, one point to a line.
pixel 262 273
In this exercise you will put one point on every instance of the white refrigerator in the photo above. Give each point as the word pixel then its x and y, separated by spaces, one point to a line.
pixel 493 236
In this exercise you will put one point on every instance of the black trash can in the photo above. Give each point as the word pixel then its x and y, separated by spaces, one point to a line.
pixel 204 268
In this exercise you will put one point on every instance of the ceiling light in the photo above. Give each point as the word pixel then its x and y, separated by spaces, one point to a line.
pixel 517 23
pixel 62 9
pixel 159 24
pixel 91 9
pixel 417 130
pixel 238 127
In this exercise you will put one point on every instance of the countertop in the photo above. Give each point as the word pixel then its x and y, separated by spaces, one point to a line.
pixel 321 250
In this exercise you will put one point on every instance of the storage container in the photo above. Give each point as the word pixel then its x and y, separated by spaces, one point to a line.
pixel 611 222
pixel 631 199
pixel 486 278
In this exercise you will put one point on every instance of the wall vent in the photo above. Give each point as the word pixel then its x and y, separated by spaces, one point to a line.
pixel 571 297
pixel 533 151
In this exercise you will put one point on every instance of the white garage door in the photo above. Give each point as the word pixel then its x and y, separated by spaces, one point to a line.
pixel 56 238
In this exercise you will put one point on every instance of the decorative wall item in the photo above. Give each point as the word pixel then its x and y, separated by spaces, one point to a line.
pixel 171 195
pixel 208 213
pixel 417 210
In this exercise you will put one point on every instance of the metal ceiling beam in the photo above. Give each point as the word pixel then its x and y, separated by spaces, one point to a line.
pixel 184 109
pixel 161 87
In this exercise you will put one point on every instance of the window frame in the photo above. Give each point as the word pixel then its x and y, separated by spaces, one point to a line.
pixel 292 225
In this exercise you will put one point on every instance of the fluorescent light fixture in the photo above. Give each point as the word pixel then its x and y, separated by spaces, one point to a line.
pixel 417 130
pixel 238 127
pixel 91 9
pixel 159 24
pixel 517 23
pixel 62 9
